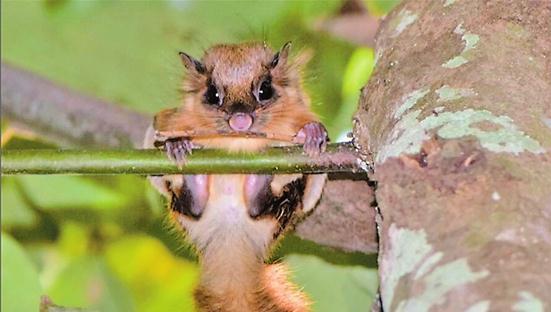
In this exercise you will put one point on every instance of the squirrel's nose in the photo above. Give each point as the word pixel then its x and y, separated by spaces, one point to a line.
pixel 241 121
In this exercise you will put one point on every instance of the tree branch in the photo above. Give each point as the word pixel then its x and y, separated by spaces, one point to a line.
pixel 338 158
pixel 66 117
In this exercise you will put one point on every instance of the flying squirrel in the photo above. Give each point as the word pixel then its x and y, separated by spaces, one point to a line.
pixel 240 97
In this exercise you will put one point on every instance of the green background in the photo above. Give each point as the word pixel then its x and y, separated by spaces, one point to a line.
pixel 103 242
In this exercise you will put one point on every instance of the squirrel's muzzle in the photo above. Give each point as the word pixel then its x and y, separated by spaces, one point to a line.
pixel 240 121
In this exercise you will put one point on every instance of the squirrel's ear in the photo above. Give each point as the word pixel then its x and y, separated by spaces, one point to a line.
pixel 281 56
pixel 192 64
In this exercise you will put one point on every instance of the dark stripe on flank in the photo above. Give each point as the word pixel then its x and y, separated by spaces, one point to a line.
pixel 182 202
pixel 282 207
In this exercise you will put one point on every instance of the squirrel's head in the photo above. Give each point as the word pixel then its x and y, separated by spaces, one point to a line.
pixel 243 87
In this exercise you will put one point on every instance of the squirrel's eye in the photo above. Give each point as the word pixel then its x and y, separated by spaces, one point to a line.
pixel 266 91
pixel 212 96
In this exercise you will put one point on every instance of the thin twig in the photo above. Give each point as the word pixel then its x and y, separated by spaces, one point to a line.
pixel 337 158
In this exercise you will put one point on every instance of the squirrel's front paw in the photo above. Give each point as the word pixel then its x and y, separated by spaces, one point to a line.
pixel 314 137
pixel 178 149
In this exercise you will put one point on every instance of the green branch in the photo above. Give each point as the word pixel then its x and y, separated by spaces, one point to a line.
pixel 338 158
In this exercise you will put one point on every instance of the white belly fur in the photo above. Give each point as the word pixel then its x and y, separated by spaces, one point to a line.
pixel 225 220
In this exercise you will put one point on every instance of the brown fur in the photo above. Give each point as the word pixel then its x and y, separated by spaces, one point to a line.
pixel 235 68
pixel 232 246
pixel 271 292
pixel 232 249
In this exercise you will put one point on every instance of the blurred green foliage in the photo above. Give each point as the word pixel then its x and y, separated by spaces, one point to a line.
pixel 102 241
pixel 21 287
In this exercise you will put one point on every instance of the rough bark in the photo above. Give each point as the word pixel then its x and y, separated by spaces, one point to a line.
pixel 70 119
pixel 345 217
pixel 457 117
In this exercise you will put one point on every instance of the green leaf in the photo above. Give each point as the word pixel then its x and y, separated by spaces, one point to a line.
pixel 334 288
pixel 155 201
pixel 159 281
pixel 380 7
pixel 21 288
pixel 69 192
pixel 359 68
pixel 15 211
pixel 86 282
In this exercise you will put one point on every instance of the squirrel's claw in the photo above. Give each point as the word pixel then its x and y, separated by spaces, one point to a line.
pixel 314 137
pixel 178 149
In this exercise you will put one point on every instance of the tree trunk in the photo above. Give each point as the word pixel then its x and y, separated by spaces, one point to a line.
pixel 457 117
